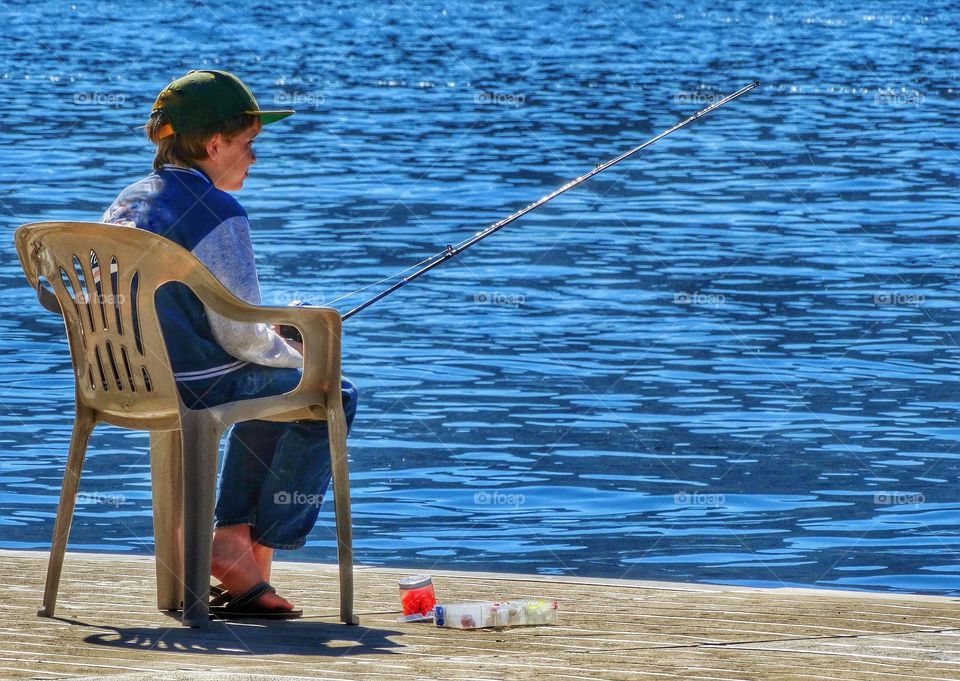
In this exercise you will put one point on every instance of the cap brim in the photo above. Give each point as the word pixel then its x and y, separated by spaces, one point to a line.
pixel 268 117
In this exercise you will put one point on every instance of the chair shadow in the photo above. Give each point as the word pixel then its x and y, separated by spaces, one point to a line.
pixel 304 636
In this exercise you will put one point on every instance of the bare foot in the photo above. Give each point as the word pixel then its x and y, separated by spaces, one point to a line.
pixel 264 557
pixel 235 565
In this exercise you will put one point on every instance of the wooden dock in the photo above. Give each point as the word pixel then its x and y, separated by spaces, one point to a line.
pixel 107 627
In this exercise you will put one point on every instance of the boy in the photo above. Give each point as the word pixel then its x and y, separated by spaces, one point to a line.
pixel 274 474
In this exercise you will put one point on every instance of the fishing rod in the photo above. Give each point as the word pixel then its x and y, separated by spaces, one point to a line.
pixel 454 251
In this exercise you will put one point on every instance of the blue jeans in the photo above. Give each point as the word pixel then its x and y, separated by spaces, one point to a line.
pixel 274 474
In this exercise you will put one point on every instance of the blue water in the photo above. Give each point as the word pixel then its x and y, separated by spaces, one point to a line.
pixel 731 359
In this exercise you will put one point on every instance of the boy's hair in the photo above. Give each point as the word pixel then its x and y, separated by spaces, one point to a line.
pixel 186 148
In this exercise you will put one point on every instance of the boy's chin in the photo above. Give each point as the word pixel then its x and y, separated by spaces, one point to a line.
pixel 231 186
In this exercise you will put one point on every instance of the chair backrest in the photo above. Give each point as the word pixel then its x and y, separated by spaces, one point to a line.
pixel 104 278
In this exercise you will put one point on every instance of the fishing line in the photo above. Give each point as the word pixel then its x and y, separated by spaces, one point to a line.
pixel 380 281
pixel 452 251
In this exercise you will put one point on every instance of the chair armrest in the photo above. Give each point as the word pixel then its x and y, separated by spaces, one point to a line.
pixel 320 328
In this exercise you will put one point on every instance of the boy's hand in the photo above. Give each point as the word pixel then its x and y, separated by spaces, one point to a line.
pixel 296 345
pixel 288 332
pixel 285 333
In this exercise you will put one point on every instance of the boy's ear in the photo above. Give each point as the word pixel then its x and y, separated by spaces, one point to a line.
pixel 214 145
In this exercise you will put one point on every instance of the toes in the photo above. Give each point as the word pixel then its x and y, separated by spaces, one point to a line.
pixel 274 602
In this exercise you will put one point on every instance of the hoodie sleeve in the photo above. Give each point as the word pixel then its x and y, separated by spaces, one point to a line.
pixel 227 252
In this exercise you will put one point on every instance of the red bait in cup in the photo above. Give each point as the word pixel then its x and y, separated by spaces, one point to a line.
pixel 417 598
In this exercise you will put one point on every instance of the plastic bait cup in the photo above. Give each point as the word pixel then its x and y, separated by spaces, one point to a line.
pixel 416 595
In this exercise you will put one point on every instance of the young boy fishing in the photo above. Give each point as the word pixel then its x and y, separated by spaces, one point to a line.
pixel 274 475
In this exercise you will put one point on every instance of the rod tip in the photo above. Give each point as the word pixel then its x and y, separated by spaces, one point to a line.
pixel 755 83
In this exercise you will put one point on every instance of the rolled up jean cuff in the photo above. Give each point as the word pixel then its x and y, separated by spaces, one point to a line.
pixel 231 522
pixel 279 545
pixel 283 546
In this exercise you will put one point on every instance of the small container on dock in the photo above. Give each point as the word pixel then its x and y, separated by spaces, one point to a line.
pixel 417 597
pixel 481 615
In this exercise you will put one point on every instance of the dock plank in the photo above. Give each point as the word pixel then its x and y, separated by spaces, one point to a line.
pixel 107 627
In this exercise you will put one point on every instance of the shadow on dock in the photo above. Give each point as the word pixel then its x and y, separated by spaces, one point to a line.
pixel 287 637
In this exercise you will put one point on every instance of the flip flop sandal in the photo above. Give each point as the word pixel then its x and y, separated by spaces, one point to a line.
pixel 243 607
pixel 219 595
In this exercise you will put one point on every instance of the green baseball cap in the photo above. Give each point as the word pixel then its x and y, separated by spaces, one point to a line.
pixel 204 97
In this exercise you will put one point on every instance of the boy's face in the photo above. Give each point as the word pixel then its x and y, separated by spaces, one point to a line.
pixel 229 158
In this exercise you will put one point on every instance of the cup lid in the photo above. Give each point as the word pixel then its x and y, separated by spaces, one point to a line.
pixel 415 581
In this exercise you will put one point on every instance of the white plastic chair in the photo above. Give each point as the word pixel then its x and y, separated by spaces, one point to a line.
pixel 124 378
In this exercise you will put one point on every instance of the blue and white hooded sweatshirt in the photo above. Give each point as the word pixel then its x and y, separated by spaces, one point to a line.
pixel 182 205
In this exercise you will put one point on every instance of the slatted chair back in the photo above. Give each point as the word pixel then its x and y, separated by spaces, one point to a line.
pixel 97 274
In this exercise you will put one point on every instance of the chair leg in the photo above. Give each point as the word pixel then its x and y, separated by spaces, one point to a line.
pixel 167 484
pixel 82 428
pixel 202 432
pixel 337 427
